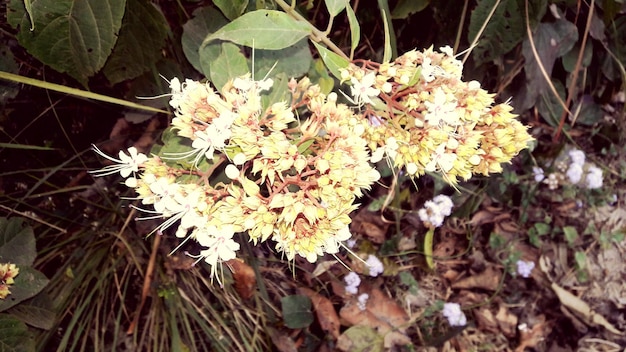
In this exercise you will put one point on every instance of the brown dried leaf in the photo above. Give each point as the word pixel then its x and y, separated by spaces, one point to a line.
pixel 373 231
pixel 487 280
pixel 324 310
pixel 530 337
pixel 244 276
pixel 507 322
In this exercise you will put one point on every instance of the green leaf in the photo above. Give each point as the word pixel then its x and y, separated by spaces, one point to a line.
pixel 548 105
pixel 587 111
pixel 37 312
pixel 335 6
pixel 387 52
pixel 206 20
pixel 405 8
pixel 319 74
pixel 571 234
pixel 262 29
pixel 17 242
pixel 14 335
pixel 229 64
pixel 332 61
pixel 279 92
pixel 28 283
pixel 72 36
pixel 361 338
pixel 231 8
pixel 571 57
pixel 552 40
pixel 138 47
pixel 297 311
pixel 506 27
pixel 293 61
pixel 355 30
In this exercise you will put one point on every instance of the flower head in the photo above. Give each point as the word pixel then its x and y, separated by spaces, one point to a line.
pixel 524 268
pixel 454 314
pixel 352 281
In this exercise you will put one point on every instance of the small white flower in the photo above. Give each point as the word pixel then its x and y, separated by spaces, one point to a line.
pixel 593 179
pixel 434 211
pixel 362 301
pixel 524 268
pixel 538 173
pixel 577 156
pixel 375 265
pixel 441 110
pixel 352 281
pixel 454 314
pixel 362 90
pixel 127 164
pixel 574 173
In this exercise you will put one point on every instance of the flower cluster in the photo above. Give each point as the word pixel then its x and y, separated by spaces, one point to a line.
pixel 236 166
pixel 7 274
pixel 434 211
pixel 454 314
pixel 424 118
pixel 572 168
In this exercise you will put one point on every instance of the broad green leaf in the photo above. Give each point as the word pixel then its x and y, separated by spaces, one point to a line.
pixel 262 29
pixel 362 338
pixel 72 36
pixel 293 61
pixel 229 64
pixel 505 29
pixel 279 92
pixel 297 311
pixel 551 40
pixel 28 283
pixel 571 57
pixel 231 8
pixel 405 8
pixel 548 105
pixel 37 311
pixel 138 47
pixel 205 21
pixel 335 7
pixel 14 335
pixel 355 30
pixel 17 242
pixel 332 61
pixel 587 111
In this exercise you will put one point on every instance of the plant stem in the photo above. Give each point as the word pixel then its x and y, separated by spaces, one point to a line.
pixel 316 34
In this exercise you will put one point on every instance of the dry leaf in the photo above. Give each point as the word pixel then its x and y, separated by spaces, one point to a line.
pixel 582 309
pixel 507 322
pixel 324 310
pixel 375 233
pixel 244 276
pixel 530 337
pixel 487 280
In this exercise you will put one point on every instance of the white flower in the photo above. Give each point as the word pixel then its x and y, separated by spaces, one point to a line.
pixel 454 314
pixel 593 179
pixel 362 90
pixel 390 149
pixel 375 265
pixel 441 110
pixel 352 281
pixel 524 268
pixel 362 301
pixel 538 173
pixel 434 211
pixel 231 171
pixel 574 173
pixel 577 156
pixel 441 160
pixel 127 164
